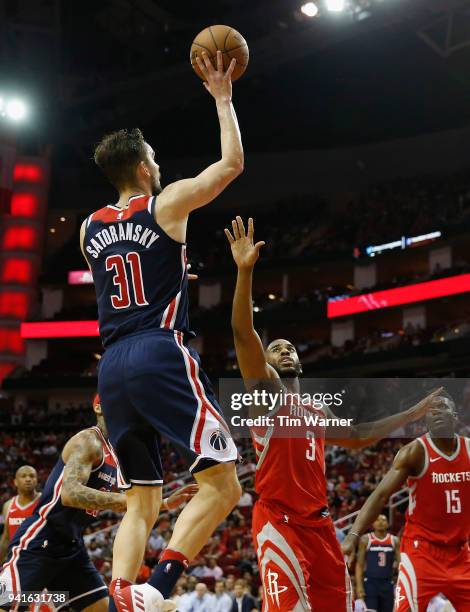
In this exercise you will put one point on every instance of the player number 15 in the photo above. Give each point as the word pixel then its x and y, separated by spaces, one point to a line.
pixel 454 505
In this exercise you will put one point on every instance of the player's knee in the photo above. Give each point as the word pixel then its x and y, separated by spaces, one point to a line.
pixel 232 491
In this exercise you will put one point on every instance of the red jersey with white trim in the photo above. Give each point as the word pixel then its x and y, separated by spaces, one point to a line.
pixel 138 270
pixel 17 514
pixel 290 473
pixel 439 506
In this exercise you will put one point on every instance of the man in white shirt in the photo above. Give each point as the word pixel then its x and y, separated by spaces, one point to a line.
pixel 201 600
pixel 222 600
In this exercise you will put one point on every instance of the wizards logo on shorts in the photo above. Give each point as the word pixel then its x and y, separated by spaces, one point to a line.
pixel 218 441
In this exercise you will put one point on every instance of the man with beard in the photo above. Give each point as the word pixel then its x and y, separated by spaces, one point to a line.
pixel 434 556
pixel 300 560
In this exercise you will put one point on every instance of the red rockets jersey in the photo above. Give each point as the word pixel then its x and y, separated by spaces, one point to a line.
pixel 290 473
pixel 17 514
pixel 439 506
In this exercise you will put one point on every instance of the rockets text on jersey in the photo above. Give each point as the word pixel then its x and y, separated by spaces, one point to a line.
pixel 139 272
pixel 439 497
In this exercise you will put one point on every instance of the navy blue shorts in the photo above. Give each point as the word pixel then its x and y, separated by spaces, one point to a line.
pixel 61 568
pixel 379 594
pixel 151 383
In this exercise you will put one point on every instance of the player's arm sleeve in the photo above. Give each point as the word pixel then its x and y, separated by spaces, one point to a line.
pixel 178 199
pixel 403 466
pixel 360 565
pixel 5 539
pixel 80 454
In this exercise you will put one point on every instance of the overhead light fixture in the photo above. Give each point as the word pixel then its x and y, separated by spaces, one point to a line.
pixel 309 9
pixel 335 6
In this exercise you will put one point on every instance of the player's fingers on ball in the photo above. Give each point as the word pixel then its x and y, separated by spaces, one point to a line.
pixel 229 236
pixel 220 61
pixel 201 65
pixel 241 226
pixel 235 230
pixel 231 68
pixel 207 62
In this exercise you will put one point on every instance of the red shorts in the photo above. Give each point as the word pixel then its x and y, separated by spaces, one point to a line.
pixel 427 570
pixel 301 568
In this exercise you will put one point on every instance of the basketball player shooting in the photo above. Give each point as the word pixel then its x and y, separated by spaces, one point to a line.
pixel 149 380
pixel 435 555
pixel 300 561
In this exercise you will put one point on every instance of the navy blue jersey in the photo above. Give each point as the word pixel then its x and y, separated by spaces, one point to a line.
pixel 380 556
pixel 138 270
pixel 53 520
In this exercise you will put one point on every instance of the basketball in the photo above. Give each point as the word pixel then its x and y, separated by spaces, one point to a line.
pixel 223 38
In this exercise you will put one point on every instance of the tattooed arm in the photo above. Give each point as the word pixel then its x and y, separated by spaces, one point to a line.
pixel 81 454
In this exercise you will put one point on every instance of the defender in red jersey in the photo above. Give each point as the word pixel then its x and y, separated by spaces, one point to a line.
pixel 300 560
pixel 20 507
pixel 435 556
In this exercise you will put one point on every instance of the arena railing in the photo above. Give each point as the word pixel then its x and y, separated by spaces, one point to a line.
pixel 345 523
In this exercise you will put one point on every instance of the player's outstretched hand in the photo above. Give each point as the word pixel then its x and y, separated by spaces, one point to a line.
pixel 217 82
pixel 181 496
pixel 421 408
pixel 245 252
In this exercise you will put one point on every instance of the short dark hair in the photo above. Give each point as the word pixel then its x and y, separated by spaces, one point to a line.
pixel 119 153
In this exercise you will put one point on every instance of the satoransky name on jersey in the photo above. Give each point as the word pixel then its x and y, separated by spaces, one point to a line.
pixel 449 477
pixel 124 232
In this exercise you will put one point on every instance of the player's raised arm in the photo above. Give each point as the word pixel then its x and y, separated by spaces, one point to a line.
pixel 407 463
pixel 81 454
pixel 178 199
pixel 248 345
pixel 365 434
pixel 5 539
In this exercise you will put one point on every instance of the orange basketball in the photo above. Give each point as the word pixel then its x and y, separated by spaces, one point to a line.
pixel 223 38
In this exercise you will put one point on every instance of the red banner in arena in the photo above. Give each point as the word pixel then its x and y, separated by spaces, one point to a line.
pixel 59 329
pixel 339 307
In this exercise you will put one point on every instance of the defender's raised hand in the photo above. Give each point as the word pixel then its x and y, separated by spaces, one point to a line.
pixel 217 82
pixel 245 252
pixel 421 408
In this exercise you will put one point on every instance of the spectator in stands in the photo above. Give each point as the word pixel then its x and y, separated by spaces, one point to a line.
pixel 222 601
pixel 246 500
pixel 156 541
pixel 242 602
pixel 106 571
pixel 200 569
pixel 213 570
pixel 230 584
pixel 201 600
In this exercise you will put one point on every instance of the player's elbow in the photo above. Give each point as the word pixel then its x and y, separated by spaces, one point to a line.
pixel 234 167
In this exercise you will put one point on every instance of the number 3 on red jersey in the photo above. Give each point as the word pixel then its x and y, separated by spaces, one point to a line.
pixel 117 264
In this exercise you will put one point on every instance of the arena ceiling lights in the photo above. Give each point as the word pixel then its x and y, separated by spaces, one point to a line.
pixel 13 108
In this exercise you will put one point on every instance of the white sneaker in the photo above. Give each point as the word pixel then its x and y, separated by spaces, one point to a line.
pixel 142 598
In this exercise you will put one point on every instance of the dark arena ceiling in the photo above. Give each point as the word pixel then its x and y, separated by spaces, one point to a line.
pixel 401 67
